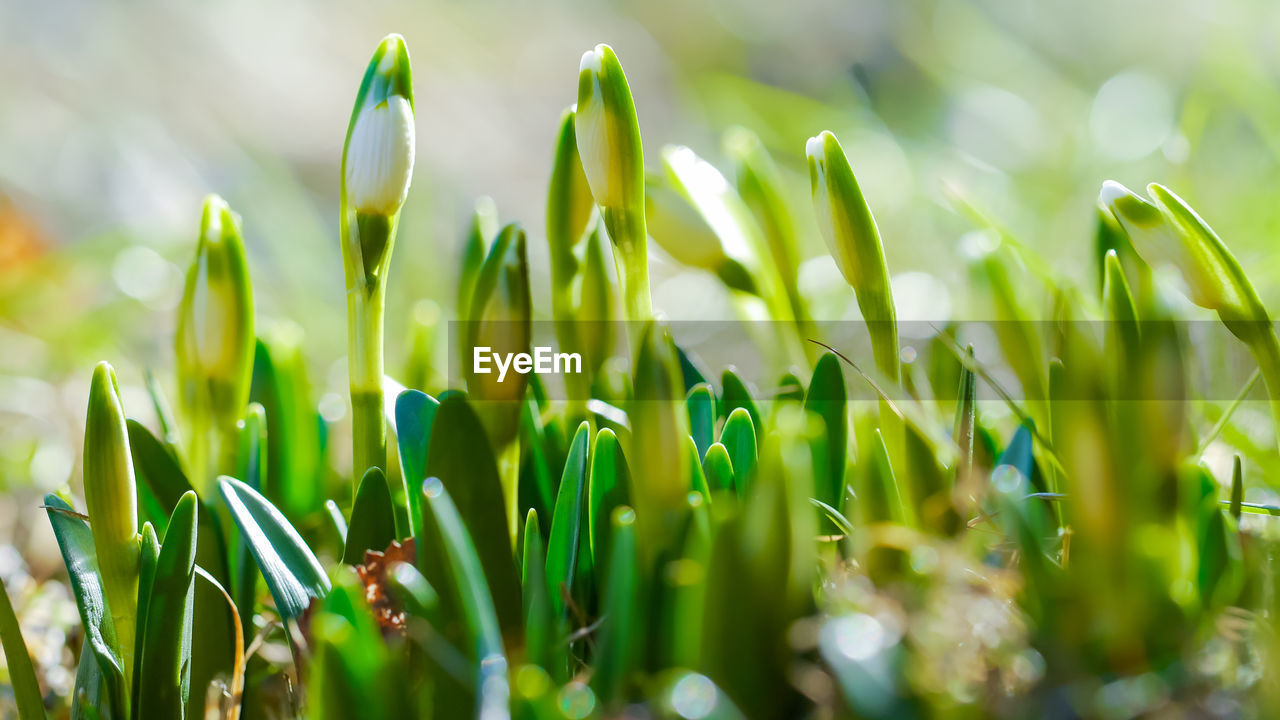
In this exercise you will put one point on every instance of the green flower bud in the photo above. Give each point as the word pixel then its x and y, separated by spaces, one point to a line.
pixel 214 342
pixel 1159 243
pixel 608 134
pixel 111 496
pixel 659 431
pixel 694 214
pixel 377 158
pixel 569 201
pixel 854 241
pixel 500 320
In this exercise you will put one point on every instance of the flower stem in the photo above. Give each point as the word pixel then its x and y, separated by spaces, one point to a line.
pixel 365 368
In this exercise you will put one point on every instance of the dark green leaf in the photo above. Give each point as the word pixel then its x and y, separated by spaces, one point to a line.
pixel 566 523
pixel 619 648
pixel 415 415
pixel 446 529
pixel 701 403
pixel 828 398
pixel 717 468
pixel 78 553
pixel 292 573
pixel 739 439
pixel 165 680
pixel 373 519
pixel 735 394
pixel 461 458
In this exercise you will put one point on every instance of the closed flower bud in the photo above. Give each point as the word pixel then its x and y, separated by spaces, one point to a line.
pixel 377 161
pixel 659 431
pixel 608 133
pixel 500 320
pixel 111 496
pixel 1168 232
pixel 854 242
pixel 215 321
pixel 697 217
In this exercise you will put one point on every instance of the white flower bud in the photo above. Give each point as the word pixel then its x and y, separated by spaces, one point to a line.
pixel 379 161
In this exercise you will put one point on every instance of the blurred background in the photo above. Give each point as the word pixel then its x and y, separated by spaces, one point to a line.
pixel 117 118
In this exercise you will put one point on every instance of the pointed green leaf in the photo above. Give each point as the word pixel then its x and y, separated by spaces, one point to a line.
pixel 165 676
pixel 620 642
pixel 735 394
pixel 566 522
pixel 717 468
pixel 372 519
pixel 415 414
pixel 22 674
pixel 461 458
pixel 81 558
pixel 539 626
pixel 739 440
pixel 701 404
pixel 444 528
pixel 827 398
pixel 291 570
pixel 609 488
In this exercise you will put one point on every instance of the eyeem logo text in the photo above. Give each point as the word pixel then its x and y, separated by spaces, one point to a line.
pixel 543 361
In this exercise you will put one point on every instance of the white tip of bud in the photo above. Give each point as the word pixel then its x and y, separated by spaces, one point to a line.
pixel 379 162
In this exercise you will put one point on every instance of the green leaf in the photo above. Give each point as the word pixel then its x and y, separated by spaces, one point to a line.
pixel 879 499
pixel 697 480
pixel 165 677
pixel 373 519
pixel 22 674
pixel 444 529
pixel 566 522
pixel 415 416
pixel 291 570
pixel 828 399
pixel 461 458
pixel 81 558
pixel 735 394
pixel 620 643
pixel 147 560
pixel 88 701
pixel 701 403
pixel 609 488
pixel 739 440
pixel 659 429
pixel 295 454
pixel 717 468
pixel 484 225
pixel 539 628
pixel 790 389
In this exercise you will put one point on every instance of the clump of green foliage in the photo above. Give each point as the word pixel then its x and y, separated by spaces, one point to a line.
pixel 666 542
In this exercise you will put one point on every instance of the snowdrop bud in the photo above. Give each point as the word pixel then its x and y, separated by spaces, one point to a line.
pixel 1160 242
pixel 377 160
pixel 608 133
pixel 854 241
pixel 215 320
pixel 111 498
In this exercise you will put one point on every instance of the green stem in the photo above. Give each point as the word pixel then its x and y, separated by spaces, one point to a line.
pixel 365 370
pixel 630 238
